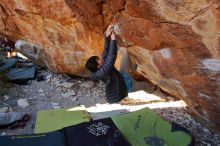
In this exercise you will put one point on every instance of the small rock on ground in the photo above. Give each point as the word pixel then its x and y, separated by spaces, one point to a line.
pixel 23 103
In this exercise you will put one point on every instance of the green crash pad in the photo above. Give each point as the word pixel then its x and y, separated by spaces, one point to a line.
pixel 145 128
pixel 55 119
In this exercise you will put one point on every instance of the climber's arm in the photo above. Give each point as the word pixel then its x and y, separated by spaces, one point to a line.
pixel 106 47
pixel 108 63
pixel 107 41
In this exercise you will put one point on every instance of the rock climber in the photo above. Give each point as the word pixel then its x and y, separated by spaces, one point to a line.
pixel 103 69
pixel 117 84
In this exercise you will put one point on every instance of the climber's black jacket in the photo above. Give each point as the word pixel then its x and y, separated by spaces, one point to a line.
pixel 115 87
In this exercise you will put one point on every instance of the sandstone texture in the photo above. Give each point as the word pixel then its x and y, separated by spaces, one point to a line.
pixel 175 44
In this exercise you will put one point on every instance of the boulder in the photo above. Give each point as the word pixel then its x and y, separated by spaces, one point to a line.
pixel 175 44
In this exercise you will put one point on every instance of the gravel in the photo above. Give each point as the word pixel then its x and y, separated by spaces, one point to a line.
pixel 59 90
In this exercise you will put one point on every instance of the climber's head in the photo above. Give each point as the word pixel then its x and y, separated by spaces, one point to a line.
pixel 93 63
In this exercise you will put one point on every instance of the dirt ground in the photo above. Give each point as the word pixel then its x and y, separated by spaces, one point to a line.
pixel 59 90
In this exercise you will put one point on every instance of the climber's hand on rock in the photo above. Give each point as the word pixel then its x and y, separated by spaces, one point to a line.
pixel 113 35
pixel 109 30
